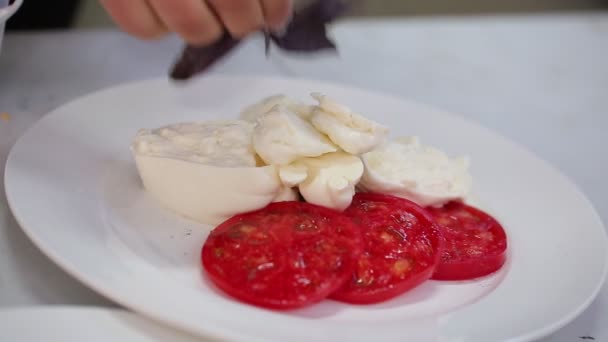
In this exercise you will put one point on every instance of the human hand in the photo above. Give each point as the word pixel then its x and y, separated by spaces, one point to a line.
pixel 198 22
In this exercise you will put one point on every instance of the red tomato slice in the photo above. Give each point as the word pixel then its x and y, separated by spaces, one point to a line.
pixel 285 256
pixel 475 245
pixel 402 248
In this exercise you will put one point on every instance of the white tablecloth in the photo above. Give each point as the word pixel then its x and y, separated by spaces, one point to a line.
pixel 539 80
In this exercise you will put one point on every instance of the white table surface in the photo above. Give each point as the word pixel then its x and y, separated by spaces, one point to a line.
pixel 539 80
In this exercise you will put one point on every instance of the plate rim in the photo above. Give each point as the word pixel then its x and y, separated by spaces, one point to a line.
pixel 223 333
pixel 64 311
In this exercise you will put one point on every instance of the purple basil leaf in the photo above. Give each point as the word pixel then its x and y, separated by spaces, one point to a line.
pixel 307 31
pixel 321 11
pixel 195 59
pixel 308 39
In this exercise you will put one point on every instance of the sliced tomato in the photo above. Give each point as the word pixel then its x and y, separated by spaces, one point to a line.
pixel 285 256
pixel 475 243
pixel 402 248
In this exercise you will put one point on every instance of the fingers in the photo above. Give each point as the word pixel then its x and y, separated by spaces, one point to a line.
pixel 240 17
pixel 193 20
pixel 199 22
pixel 135 17
pixel 276 12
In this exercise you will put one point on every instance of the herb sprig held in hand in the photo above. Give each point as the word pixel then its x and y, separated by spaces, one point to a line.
pixel 307 32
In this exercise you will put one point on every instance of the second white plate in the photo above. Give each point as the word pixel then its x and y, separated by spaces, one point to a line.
pixel 73 187
pixel 77 324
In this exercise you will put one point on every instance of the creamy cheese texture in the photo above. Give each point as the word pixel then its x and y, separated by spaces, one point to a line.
pixel 209 194
pixel 350 131
pixel 206 171
pixel 256 110
pixel 210 171
pixel 422 174
pixel 219 143
pixel 286 194
pixel 328 180
pixel 281 136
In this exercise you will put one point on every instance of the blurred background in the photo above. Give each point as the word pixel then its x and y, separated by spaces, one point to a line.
pixel 61 14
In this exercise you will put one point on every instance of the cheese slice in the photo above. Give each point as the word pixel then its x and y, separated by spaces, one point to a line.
pixel 328 180
pixel 352 132
pixel 253 112
pixel 423 174
pixel 281 136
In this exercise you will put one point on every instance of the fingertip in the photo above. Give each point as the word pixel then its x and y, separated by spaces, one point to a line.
pixel 277 13
pixel 240 33
pixel 192 20
pixel 239 17
pixel 209 35
pixel 136 18
pixel 147 33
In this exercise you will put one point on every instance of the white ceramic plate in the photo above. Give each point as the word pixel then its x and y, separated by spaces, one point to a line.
pixel 72 185
pixel 72 324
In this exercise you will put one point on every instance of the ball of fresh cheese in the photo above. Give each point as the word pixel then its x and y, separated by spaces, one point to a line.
pixel 281 136
pixel 352 132
pixel 422 174
pixel 206 171
pixel 328 180
pixel 252 112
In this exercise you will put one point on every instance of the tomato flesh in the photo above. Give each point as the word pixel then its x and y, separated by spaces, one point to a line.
pixel 284 256
pixel 475 243
pixel 402 245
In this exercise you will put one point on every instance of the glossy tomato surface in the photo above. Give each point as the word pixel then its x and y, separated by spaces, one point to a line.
pixel 402 245
pixel 285 256
pixel 475 243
